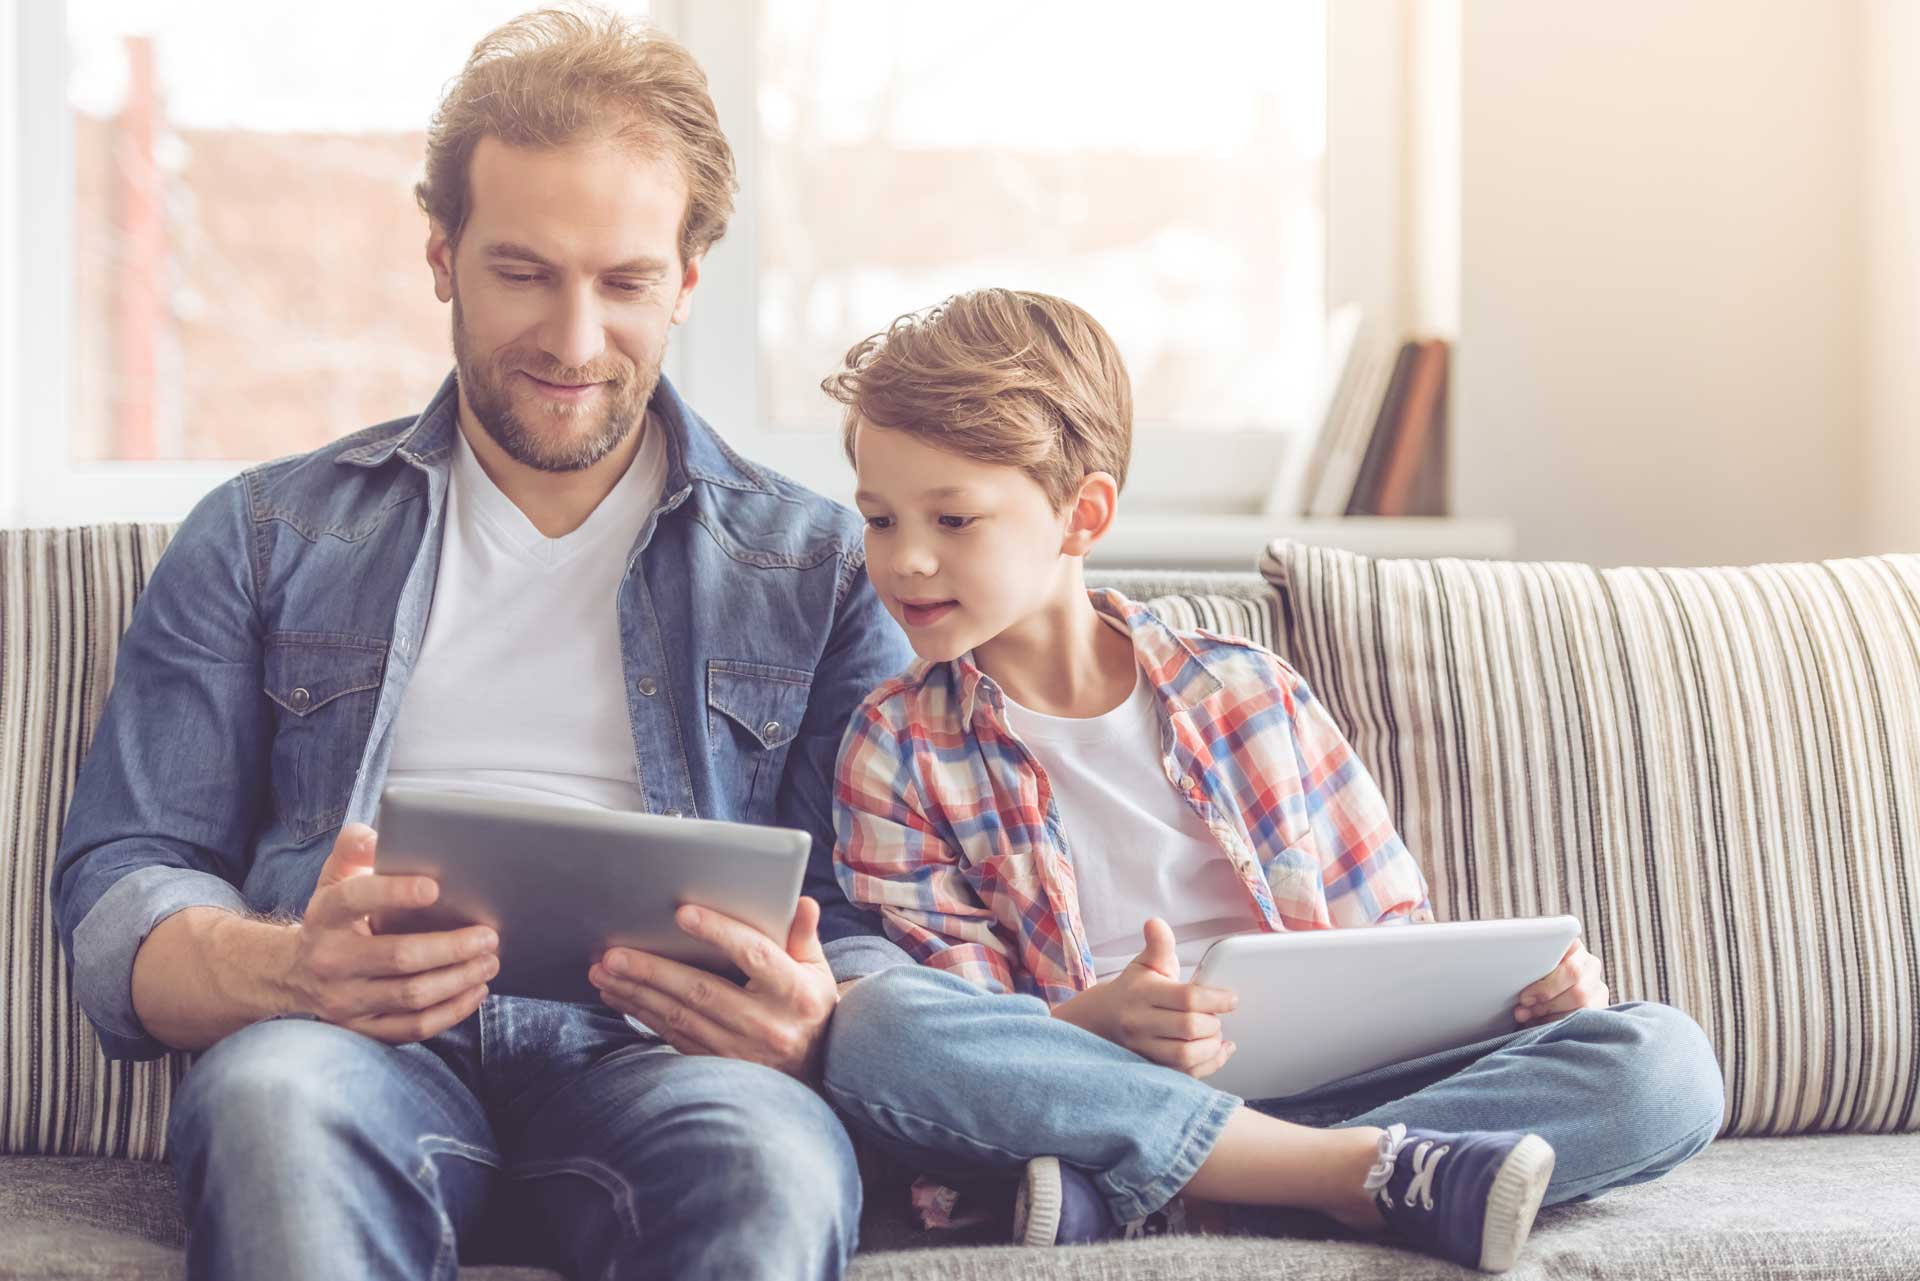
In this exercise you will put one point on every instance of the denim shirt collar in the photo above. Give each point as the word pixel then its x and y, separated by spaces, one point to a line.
pixel 694 450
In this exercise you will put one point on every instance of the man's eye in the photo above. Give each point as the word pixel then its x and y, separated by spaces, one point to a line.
pixel 519 277
pixel 628 286
pixel 879 522
pixel 957 522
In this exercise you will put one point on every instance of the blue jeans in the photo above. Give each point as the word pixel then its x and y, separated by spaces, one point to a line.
pixel 940 1073
pixel 535 1131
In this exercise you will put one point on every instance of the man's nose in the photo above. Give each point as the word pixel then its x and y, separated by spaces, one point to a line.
pixel 574 335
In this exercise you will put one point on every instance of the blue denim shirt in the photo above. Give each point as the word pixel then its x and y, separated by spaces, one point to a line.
pixel 254 697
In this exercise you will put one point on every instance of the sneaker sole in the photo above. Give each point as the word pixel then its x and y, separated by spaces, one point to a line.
pixel 1513 1202
pixel 1036 1206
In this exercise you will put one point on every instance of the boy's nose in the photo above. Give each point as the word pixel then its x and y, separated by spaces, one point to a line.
pixel 914 562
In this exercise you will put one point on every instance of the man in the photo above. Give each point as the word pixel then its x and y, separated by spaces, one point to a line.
pixel 555 582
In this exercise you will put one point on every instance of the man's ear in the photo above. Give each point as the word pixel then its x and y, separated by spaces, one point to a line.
pixel 440 258
pixel 688 279
pixel 1090 514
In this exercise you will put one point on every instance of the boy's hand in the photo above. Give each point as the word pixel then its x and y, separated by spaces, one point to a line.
pixel 1147 1009
pixel 1574 984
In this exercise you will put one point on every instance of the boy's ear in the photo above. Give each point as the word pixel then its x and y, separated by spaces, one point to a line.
pixel 1090 514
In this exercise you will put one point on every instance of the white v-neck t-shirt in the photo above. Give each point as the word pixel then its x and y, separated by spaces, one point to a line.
pixel 520 689
pixel 1138 850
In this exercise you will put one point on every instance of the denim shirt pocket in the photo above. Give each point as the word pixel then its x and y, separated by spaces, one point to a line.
pixel 323 686
pixel 753 714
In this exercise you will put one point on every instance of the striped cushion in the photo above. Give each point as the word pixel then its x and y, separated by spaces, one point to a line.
pixel 65 597
pixel 1716 770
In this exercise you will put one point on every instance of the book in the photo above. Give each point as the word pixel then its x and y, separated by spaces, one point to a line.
pixel 1356 498
pixel 1424 405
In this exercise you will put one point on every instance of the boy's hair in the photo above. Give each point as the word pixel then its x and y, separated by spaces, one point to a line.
pixel 1001 376
pixel 581 74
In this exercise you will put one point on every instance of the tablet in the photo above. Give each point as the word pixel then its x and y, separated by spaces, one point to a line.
pixel 562 883
pixel 1322 1005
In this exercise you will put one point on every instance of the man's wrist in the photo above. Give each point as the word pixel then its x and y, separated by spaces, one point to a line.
pixel 255 959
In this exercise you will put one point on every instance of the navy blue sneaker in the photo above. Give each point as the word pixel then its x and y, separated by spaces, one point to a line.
pixel 1057 1204
pixel 1467 1197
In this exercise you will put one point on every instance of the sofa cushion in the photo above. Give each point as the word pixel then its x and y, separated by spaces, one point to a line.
pixel 1239 605
pixel 1716 770
pixel 1811 1208
pixel 65 597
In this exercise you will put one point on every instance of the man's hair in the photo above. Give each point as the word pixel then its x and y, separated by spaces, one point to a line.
pixel 1001 376
pixel 582 74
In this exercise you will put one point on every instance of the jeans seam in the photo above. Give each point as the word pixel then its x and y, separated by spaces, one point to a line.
pixel 446 1256
pixel 1691 1136
pixel 613 1184
pixel 1205 1124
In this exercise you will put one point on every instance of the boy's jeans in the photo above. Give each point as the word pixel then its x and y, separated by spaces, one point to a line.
pixel 553 1133
pixel 939 1072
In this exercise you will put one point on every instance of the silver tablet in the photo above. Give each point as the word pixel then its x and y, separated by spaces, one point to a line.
pixel 561 883
pixel 1322 1005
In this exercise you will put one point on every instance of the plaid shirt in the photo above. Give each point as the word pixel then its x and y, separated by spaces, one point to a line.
pixel 946 824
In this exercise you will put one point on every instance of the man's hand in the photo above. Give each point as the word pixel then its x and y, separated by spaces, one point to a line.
pixel 1574 984
pixel 779 1018
pixel 1147 1009
pixel 393 987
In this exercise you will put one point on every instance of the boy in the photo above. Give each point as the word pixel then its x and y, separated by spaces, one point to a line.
pixel 1062 778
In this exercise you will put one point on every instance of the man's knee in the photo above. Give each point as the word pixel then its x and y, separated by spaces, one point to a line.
pixel 270 1082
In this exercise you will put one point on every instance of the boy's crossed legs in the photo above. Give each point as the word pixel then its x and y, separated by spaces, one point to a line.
pixel 925 1063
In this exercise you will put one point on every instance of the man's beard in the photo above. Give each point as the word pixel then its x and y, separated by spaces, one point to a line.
pixel 619 409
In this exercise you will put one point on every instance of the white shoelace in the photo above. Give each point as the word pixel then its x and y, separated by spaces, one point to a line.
pixel 1426 1163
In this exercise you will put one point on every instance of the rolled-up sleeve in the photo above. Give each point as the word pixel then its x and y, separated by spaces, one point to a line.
pixel 168 798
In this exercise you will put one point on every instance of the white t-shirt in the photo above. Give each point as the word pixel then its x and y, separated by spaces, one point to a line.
pixel 519 689
pixel 1138 849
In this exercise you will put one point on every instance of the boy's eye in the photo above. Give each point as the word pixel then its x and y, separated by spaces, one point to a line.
pixel 879 522
pixel 957 522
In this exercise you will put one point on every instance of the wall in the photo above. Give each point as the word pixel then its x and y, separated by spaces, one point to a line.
pixel 1662 278
pixel 1891 48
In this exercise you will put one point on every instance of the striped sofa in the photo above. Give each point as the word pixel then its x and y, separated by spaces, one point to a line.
pixel 1718 771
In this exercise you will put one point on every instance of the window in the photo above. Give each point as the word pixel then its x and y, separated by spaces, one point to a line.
pixel 218 257
pixel 1165 178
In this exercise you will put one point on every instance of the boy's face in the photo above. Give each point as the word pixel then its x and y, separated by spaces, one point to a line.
pixel 959 550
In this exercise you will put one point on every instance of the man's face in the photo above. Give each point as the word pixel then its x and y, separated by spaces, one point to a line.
pixel 564 283
pixel 960 551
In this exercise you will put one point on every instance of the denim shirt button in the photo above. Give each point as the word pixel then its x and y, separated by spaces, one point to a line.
pixel 769 729
pixel 300 698
pixel 647 687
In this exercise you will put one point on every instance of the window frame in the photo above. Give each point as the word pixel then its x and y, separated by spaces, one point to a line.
pixel 41 484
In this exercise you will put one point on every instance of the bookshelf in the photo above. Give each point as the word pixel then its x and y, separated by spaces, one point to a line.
pixel 1142 541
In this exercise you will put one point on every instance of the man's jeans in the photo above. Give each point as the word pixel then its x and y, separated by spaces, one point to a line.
pixel 551 1133
pixel 941 1073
